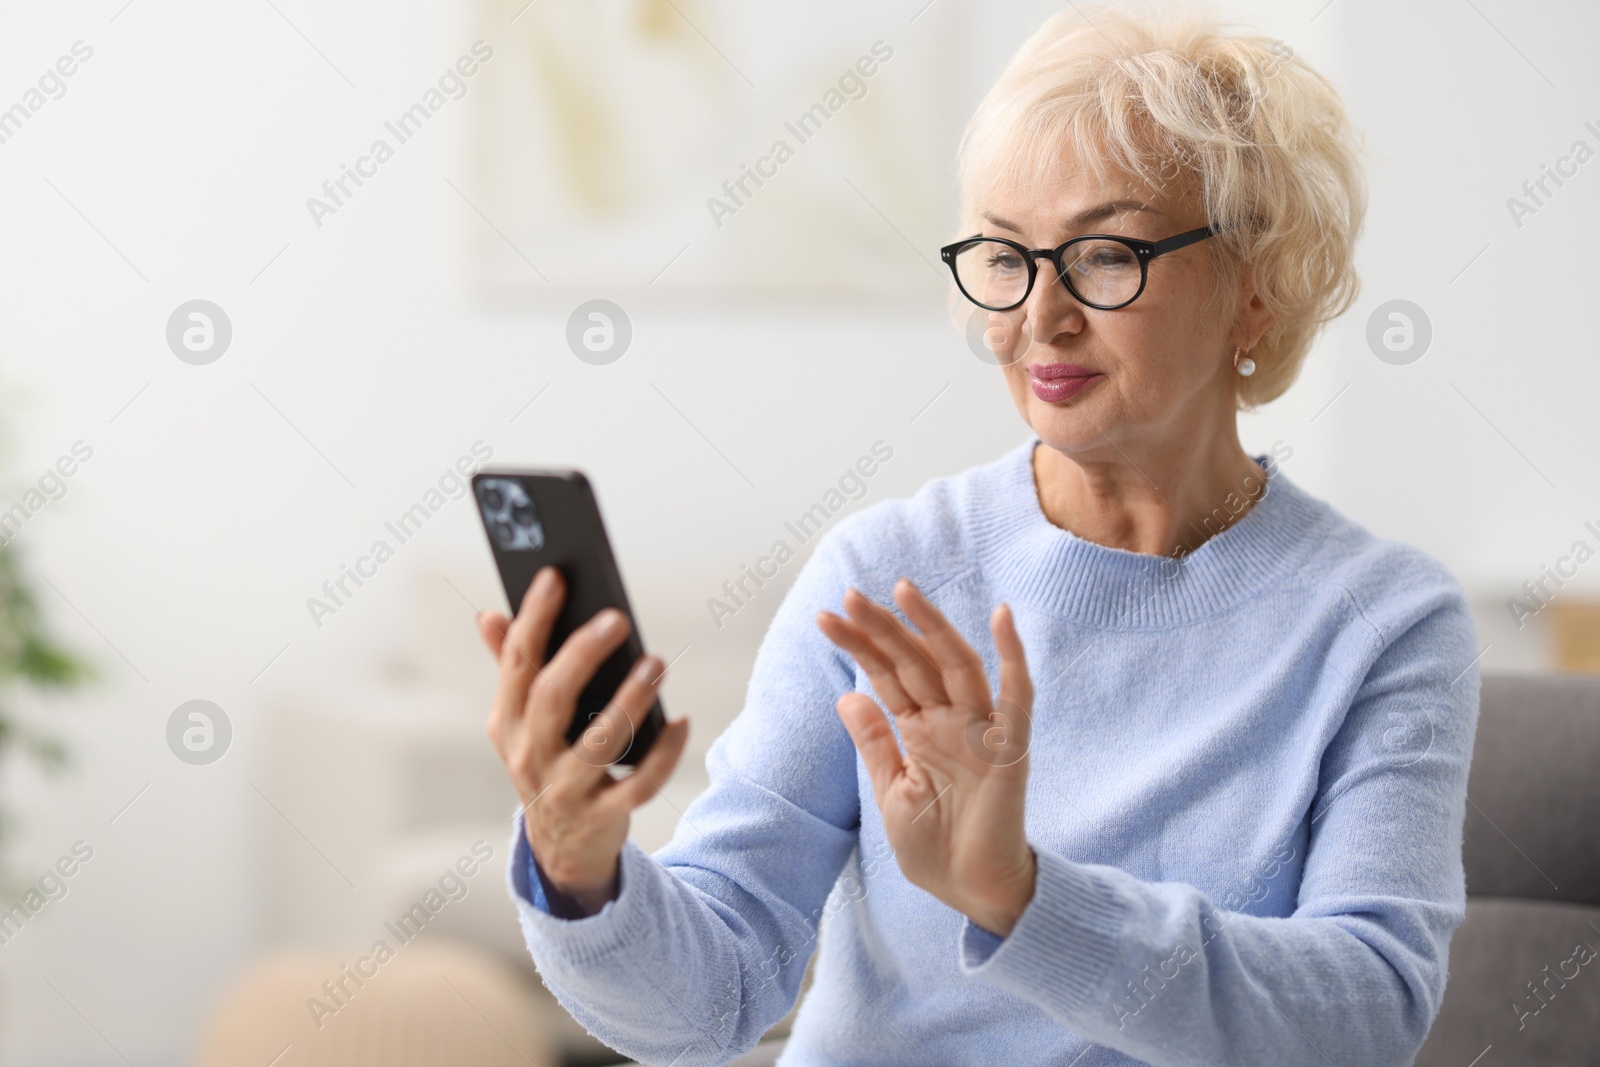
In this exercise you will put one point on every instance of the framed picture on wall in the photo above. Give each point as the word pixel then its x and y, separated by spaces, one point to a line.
pixel 707 149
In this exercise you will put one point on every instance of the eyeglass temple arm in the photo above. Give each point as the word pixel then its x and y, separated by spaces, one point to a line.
pixel 1183 240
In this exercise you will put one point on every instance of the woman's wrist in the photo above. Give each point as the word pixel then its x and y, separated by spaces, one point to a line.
pixel 577 901
pixel 1003 906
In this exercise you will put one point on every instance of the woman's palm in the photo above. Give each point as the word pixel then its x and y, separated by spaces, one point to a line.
pixel 952 800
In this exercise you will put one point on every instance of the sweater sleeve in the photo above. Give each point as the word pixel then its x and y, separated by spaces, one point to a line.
pixel 1356 974
pixel 704 947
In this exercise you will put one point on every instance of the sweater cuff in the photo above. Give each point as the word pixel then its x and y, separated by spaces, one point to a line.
pixel 525 881
pixel 618 924
pixel 1063 942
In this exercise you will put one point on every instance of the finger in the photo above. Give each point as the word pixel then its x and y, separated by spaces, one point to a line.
pixel 879 668
pixel 960 666
pixel 522 651
pixel 1016 686
pixel 913 665
pixel 492 627
pixel 873 738
pixel 607 737
pixel 652 772
pixel 553 696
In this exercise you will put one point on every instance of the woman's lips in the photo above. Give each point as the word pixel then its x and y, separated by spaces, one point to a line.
pixel 1055 382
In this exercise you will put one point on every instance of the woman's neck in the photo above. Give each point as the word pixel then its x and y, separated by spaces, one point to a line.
pixel 1165 501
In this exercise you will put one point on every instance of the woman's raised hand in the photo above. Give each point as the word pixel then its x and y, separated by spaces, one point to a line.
pixel 575 812
pixel 952 803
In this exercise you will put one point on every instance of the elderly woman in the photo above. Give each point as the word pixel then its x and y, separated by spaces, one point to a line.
pixel 1160 759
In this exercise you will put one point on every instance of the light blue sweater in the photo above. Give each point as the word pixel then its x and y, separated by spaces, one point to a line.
pixel 1246 795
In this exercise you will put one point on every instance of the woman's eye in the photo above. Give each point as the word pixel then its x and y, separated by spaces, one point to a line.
pixel 1108 259
pixel 1004 261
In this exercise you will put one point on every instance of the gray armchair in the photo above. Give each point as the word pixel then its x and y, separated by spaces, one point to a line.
pixel 1524 982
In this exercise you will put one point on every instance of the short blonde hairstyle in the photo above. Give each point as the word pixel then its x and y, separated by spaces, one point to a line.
pixel 1176 101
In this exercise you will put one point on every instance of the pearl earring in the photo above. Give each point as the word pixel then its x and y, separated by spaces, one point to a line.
pixel 1243 363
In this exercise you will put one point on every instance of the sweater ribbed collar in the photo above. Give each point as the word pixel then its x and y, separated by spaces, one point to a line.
pixel 1032 561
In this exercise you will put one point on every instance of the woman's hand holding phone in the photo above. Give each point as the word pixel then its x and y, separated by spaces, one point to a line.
pixel 575 812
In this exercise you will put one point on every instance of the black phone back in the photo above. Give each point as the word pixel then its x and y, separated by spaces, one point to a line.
pixel 539 518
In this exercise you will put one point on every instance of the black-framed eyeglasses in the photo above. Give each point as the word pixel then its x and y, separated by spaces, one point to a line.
pixel 1101 270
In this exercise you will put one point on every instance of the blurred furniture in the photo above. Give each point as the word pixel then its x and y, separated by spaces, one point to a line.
pixel 1576 625
pixel 431 1005
pixel 1525 965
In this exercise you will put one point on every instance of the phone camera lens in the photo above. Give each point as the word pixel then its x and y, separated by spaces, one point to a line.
pixel 522 514
pixel 492 498
pixel 505 533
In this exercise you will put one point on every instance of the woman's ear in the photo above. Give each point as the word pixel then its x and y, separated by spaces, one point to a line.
pixel 1253 318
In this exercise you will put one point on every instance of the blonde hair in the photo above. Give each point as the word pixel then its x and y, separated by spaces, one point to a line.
pixel 1175 99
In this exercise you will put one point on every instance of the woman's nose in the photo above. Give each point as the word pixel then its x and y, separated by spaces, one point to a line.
pixel 1051 309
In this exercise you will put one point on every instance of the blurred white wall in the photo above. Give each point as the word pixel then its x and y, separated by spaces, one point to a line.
pixel 365 361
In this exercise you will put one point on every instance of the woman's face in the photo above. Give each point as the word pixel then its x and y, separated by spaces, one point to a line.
pixel 1087 380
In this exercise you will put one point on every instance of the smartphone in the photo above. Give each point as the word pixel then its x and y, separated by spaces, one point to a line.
pixel 551 517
